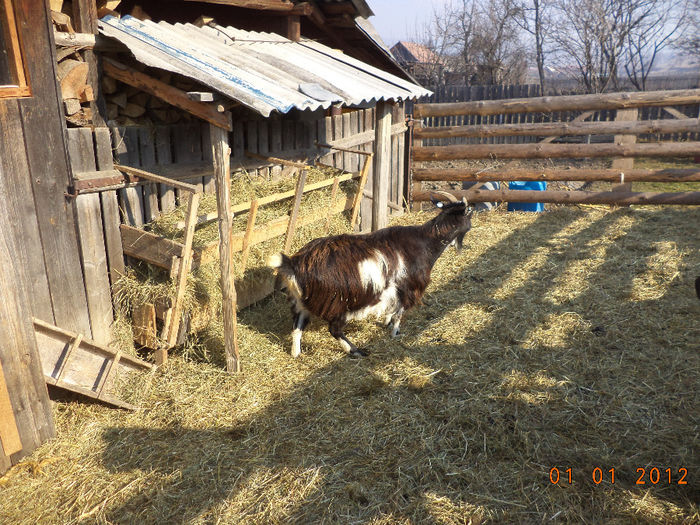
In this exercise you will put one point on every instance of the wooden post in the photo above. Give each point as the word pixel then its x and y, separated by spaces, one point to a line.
pixel 382 166
pixel 416 185
pixel 294 28
pixel 627 115
pixel 360 190
pixel 222 177
pixel 334 192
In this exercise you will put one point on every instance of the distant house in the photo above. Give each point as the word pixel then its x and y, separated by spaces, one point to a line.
pixel 421 62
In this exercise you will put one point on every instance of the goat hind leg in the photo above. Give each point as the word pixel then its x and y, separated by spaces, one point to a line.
pixel 336 330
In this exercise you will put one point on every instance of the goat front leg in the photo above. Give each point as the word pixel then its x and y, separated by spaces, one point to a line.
pixel 395 320
pixel 301 319
pixel 336 329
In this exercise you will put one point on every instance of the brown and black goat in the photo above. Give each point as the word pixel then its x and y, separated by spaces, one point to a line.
pixel 382 273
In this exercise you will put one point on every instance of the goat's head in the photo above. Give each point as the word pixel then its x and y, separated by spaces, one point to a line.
pixel 455 218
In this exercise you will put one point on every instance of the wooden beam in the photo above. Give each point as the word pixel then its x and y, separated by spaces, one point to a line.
pixel 149 247
pixel 562 128
pixel 222 169
pixel 276 160
pixel 546 151
pixel 382 165
pixel 560 103
pixel 165 92
pixel 570 197
pixel 347 150
pixel 605 175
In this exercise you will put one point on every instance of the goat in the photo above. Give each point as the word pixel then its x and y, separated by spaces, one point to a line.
pixel 346 277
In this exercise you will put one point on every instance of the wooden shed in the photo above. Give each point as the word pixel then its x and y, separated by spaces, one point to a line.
pixel 65 91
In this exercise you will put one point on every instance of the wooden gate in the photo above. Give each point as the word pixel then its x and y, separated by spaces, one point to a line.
pixel 624 148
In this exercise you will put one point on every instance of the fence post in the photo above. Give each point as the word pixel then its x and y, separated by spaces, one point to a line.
pixel 625 163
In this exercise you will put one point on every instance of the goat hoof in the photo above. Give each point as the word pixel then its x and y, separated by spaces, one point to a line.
pixel 358 353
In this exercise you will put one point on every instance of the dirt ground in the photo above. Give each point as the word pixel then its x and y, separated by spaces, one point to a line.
pixel 565 340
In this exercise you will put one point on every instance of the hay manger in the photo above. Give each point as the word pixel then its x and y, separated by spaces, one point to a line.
pixel 566 339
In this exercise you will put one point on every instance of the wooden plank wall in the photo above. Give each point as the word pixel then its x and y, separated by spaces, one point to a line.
pixel 498 92
pixel 189 144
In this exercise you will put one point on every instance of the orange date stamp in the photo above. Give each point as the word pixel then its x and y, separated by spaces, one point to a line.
pixel 644 476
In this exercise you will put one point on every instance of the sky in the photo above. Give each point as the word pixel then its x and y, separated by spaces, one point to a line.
pixel 397 19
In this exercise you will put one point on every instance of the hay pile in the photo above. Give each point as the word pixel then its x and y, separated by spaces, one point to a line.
pixel 564 339
pixel 144 283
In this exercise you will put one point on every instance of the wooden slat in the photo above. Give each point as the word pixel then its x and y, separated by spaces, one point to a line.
pixel 165 92
pixel 334 193
pixel 164 157
pixel 125 143
pixel 144 320
pixel 147 152
pixel 75 343
pixel 252 214
pixel 187 150
pixel 143 174
pixel 291 226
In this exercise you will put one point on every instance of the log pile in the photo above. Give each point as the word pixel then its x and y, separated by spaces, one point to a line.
pixel 125 105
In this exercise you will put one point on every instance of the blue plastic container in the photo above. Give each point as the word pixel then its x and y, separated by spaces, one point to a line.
pixel 530 185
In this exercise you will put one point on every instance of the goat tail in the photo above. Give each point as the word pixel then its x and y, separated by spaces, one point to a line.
pixel 282 263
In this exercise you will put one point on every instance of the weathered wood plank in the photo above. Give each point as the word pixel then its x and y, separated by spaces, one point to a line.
pixel 149 247
pixel 19 202
pixel 110 208
pixel 125 144
pixel 624 115
pixel 147 152
pixel 164 157
pixel 382 165
pixel 91 239
pixel 10 441
pixel 18 352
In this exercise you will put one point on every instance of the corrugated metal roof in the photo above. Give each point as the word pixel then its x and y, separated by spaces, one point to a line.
pixel 263 71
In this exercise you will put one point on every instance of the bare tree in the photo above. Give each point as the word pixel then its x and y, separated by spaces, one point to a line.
pixel 536 20
pixel 690 43
pixel 437 35
pixel 660 21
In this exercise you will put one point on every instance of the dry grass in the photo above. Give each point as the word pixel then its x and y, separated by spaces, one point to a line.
pixel 564 339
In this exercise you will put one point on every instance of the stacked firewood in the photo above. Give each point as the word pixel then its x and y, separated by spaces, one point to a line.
pixel 129 106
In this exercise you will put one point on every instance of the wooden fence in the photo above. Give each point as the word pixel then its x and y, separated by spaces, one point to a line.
pixel 626 127
pixel 449 94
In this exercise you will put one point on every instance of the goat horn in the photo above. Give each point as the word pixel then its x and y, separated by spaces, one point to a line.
pixel 447 194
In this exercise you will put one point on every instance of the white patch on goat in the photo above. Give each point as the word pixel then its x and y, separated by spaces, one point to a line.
pixel 345 345
pixel 388 304
pixel 401 272
pixel 372 272
pixel 296 342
